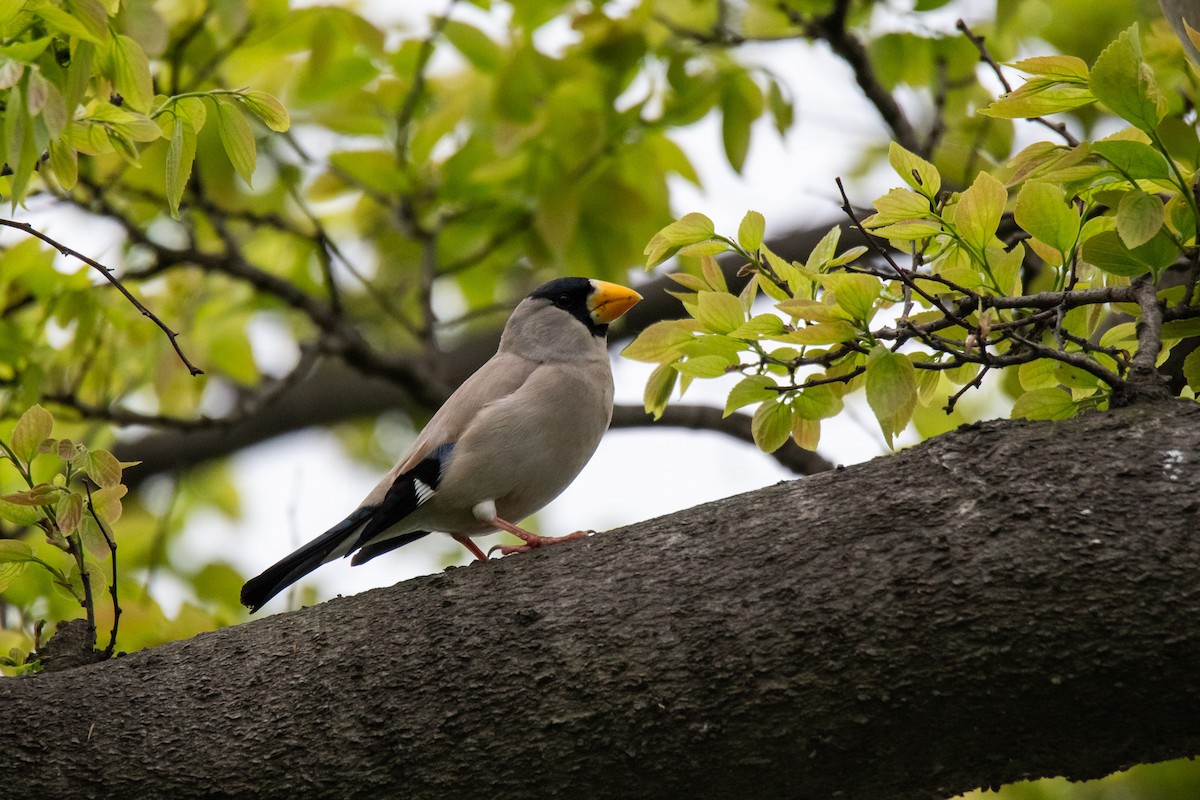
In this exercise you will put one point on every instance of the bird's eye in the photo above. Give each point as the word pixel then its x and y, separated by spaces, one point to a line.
pixel 562 301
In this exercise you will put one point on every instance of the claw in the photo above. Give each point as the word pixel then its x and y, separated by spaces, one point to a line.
pixel 532 541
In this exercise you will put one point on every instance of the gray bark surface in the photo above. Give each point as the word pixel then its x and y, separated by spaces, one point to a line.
pixel 1005 601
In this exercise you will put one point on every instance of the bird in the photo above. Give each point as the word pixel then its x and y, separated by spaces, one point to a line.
pixel 509 440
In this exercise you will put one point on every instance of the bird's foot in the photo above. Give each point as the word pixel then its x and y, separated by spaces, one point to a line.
pixel 532 541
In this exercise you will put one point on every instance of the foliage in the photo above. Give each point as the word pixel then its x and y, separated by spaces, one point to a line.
pixel 1051 266
pixel 416 182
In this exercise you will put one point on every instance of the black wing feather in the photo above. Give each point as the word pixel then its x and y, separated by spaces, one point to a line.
pixel 407 492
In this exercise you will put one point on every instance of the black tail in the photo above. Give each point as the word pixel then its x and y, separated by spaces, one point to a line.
pixel 295 566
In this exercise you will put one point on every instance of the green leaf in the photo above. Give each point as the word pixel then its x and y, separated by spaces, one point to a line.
pixel 915 171
pixel 1038 374
pixel 702 367
pixel 478 48
pixel 689 229
pixel 131 73
pixel 1124 83
pixel 855 294
pixel 1039 97
pixel 771 426
pixel 753 389
pixel 1044 404
pixel 1106 251
pixel 817 402
pixel 758 326
pixel 658 389
pixel 15 551
pixel 659 342
pixel 750 232
pixel 899 205
pixel 741 104
pixel 107 502
pixel 1136 159
pixel 1191 370
pixel 1139 217
pixel 719 312
pixel 92 16
pixel 891 385
pixel 64 163
pixel 181 154
pixel 811 310
pixel 21 514
pixel 1042 210
pixel 1066 68
pixel 834 332
pixel 268 109
pixel 67 512
pixel 102 467
pixel 979 209
pixel 236 137
pixel 31 429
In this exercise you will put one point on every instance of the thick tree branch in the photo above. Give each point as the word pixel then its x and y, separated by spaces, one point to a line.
pixel 975 628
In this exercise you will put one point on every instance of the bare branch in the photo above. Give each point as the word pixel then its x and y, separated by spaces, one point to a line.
pixel 111 278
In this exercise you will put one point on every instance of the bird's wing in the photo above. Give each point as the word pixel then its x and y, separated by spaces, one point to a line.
pixel 502 375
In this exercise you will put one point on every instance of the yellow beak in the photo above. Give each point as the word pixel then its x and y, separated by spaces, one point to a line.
pixel 608 301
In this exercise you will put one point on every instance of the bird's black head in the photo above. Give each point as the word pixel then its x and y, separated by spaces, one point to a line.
pixel 571 295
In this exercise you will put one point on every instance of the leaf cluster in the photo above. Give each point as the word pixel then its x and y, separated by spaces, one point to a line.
pixel 1051 267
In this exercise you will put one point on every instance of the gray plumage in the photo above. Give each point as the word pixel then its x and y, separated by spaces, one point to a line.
pixel 505 444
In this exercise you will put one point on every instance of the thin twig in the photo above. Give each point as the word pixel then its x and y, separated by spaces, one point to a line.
pixel 112 586
pixel 111 278
pixel 986 58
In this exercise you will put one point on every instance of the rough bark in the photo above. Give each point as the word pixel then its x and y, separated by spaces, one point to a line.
pixel 1005 601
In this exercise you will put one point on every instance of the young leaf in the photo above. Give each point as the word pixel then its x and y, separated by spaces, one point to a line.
pixel 750 232
pixel 67 512
pixel 131 73
pixel 753 389
pixel 915 171
pixel 855 294
pixel 268 109
pixel 33 426
pixel 979 209
pixel 891 390
pixel 702 367
pixel 1106 251
pixel 236 137
pixel 1139 217
pixel 1042 211
pixel 1191 370
pixel 181 154
pixel 1065 68
pixel 658 389
pixel 806 432
pixel 659 342
pixel 771 426
pixel 719 312
pixel 1044 404
pixel 1124 83
pixel 15 551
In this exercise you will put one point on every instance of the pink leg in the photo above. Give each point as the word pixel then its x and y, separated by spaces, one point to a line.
pixel 466 542
pixel 532 540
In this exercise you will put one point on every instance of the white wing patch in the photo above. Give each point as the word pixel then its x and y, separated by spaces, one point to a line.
pixel 424 490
